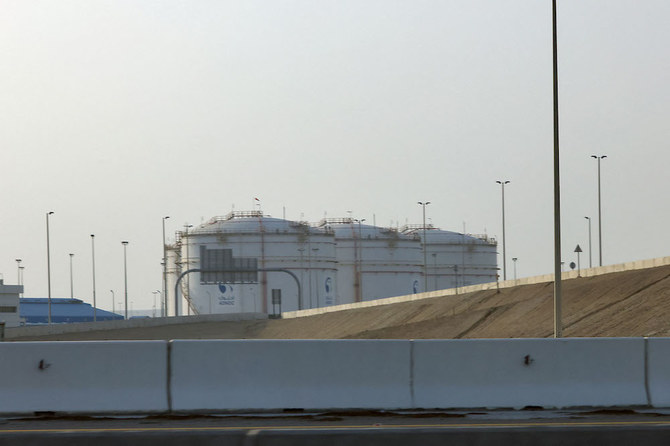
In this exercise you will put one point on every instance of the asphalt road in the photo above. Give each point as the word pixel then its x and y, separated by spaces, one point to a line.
pixel 614 427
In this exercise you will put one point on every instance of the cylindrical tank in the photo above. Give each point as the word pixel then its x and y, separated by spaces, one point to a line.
pixel 272 243
pixel 454 259
pixel 374 262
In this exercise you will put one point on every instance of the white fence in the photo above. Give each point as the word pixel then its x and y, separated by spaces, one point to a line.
pixel 239 375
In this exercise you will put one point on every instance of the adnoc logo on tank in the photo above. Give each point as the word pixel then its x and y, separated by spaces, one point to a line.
pixel 227 297
pixel 328 284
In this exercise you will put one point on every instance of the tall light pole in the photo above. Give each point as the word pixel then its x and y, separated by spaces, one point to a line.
pixel 18 271
pixel 95 306
pixel 187 295
pixel 71 278
pixel 514 259
pixel 154 293
pixel 502 184
pixel 21 268
pixel 113 301
pixel 425 261
pixel 125 276
pixel 360 259
pixel 165 286
pixel 600 219
pixel 558 325
pixel 590 257
pixel 48 269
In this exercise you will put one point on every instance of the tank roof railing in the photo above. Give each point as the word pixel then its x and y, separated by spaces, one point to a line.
pixel 201 231
pixel 298 224
pixel 412 228
pixel 484 238
pixel 243 214
pixel 335 221
pixel 235 214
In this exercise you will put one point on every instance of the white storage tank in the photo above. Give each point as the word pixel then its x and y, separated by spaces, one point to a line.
pixel 269 243
pixel 374 262
pixel 454 259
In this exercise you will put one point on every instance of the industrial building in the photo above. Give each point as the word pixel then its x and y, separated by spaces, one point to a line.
pixel 9 304
pixel 246 255
pixel 35 310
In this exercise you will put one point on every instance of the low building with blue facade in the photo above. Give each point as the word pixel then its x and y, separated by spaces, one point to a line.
pixel 35 310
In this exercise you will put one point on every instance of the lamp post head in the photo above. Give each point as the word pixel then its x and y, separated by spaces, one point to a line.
pixel 125 242
pixel 18 260
pixel 166 217
pixel 50 212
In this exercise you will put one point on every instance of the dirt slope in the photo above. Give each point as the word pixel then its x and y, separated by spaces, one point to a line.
pixel 631 303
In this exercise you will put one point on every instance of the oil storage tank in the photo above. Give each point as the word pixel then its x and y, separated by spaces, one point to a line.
pixel 455 259
pixel 374 262
pixel 243 241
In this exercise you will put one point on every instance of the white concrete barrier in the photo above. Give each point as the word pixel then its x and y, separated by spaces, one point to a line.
pixel 514 373
pixel 239 375
pixel 83 377
pixel 276 374
pixel 658 371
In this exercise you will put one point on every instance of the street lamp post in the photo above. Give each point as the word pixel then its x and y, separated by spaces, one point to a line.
pixel 558 325
pixel 125 277
pixel 502 184
pixel 154 293
pixel 359 260
pixel 113 301
pixel 187 295
pixel 425 261
pixel 600 219
pixel 590 257
pixel 71 278
pixel 359 254
pixel 456 278
pixel 95 306
pixel 21 268
pixel 48 269
pixel 165 287
pixel 302 275
pixel 18 271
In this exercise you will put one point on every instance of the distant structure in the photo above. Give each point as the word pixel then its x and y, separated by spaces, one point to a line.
pixel 9 304
pixel 35 310
pixel 454 259
pixel 336 261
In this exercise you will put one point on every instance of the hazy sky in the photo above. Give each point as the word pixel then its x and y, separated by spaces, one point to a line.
pixel 114 114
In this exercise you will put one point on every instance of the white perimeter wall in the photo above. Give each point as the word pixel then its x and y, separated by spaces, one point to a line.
pixel 241 375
